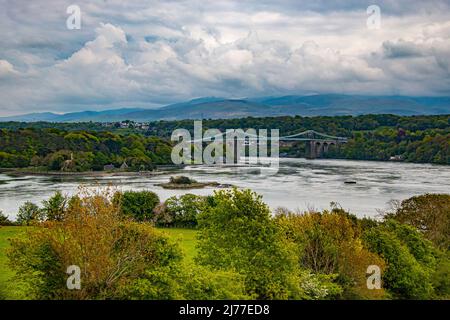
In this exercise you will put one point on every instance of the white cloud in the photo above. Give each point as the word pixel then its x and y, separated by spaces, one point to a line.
pixel 144 53
pixel 6 69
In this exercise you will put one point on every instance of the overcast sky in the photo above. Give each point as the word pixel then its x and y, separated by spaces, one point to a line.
pixel 150 53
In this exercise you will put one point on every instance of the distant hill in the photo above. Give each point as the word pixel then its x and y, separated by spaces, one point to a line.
pixel 217 108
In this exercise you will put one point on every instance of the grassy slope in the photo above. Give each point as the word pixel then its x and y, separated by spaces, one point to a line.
pixel 185 237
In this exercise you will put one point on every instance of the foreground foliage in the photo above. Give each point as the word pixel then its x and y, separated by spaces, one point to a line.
pixel 118 258
pixel 237 233
pixel 242 250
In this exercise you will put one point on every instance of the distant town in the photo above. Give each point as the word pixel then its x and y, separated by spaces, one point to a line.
pixel 126 124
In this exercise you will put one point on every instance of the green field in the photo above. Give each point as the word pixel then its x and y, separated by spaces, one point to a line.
pixel 7 289
pixel 185 238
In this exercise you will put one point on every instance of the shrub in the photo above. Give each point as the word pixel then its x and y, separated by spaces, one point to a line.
pixel 320 286
pixel 110 252
pixel 328 244
pixel 441 278
pixel 186 282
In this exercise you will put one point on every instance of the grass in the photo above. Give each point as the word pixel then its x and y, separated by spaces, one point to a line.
pixel 6 274
pixel 185 237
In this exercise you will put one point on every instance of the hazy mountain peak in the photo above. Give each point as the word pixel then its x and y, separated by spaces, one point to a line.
pixel 216 107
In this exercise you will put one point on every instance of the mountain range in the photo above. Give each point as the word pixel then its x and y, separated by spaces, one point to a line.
pixel 217 108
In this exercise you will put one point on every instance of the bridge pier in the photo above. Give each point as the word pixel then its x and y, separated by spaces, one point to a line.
pixel 316 148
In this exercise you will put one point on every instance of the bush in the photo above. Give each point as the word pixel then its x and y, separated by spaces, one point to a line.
pixel 237 233
pixel 110 252
pixel 138 205
pixel 186 282
pixel 328 244
pixel 320 286
pixel 441 278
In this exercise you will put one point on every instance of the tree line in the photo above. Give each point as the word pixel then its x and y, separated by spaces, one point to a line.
pixel 423 139
pixel 55 149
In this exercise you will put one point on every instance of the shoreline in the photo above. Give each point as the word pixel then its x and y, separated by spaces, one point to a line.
pixel 160 169
pixel 29 172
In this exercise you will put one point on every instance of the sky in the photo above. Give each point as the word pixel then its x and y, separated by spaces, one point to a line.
pixel 152 53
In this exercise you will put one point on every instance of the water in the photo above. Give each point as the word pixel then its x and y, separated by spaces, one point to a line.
pixel 299 184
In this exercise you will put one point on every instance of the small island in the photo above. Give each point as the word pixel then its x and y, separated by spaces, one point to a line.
pixel 183 182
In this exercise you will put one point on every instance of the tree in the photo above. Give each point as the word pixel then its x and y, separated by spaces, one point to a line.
pixel 138 205
pixel 182 180
pixel 406 275
pixel 55 207
pixel 328 244
pixel 237 233
pixel 110 252
pixel 29 213
pixel 184 209
pixel 429 213
pixel 4 220
pixel 161 216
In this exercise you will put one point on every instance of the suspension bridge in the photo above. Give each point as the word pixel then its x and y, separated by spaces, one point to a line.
pixel 317 143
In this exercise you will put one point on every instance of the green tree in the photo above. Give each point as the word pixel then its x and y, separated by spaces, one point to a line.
pixel 138 205
pixel 29 213
pixel 55 207
pixel 428 213
pixel 328 244
pixel 4 220
pixel 184 209
pixel 186 281
pixel 237 233
pixel 405 277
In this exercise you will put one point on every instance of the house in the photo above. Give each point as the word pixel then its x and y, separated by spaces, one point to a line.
pixel 396 158
pixel 108 167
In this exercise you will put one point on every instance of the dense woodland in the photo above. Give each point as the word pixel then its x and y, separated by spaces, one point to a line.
pixel 55 149
pixel 423 139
